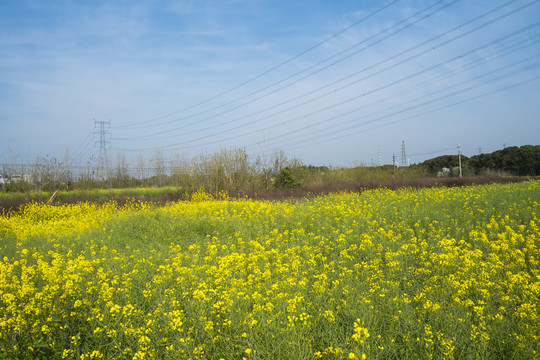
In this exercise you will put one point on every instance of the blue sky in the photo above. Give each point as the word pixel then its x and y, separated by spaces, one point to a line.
pixel 329 82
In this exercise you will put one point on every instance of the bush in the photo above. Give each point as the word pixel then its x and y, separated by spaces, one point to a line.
pixel 286 179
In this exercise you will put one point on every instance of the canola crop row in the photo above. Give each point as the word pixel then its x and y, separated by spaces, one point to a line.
pixel 416 273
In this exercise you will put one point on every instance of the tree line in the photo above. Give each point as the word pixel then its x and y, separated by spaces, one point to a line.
pixel 513 160
pixel 233 171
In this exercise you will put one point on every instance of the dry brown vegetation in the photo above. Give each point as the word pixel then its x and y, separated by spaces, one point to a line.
pixel 396 183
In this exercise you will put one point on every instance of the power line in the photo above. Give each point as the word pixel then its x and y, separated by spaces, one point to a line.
pixel 83 145
pixel 431 80
pixel 409 21
pixel 349 131
pixel 434 151
pixel 356 23
pixel 394 65
pixel 399 110
pixel 459 36
pixel 381 116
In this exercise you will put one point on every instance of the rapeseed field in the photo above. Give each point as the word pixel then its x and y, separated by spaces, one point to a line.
pixel 443 273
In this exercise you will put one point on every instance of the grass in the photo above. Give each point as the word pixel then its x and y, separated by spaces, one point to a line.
pixel 445 272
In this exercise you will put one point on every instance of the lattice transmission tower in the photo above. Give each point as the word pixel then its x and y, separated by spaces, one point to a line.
pixel 101 129
pixel 403 154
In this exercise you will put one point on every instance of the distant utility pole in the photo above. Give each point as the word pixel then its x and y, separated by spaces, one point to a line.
pixel 403 154
pixel 380 156
pixel 459 159
pixel 104 135
pixel 394 162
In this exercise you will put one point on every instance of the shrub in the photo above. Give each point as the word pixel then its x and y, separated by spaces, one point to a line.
pixel 286 179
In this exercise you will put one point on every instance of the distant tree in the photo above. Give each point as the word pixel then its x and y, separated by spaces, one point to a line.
pixel 435 165
pixel 530 160
pixel 523 161
pixel 286 179
pixel 50 172
pixel 159 167
pixel 141 167
pixel 122 179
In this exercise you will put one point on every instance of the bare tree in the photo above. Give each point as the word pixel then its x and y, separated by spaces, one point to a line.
pixel 141 167
pixel 279 161
pixel 49 172
pixel 180 170
pixel 226 169
pixel 67 168
pixel 159 166
pixel 122 167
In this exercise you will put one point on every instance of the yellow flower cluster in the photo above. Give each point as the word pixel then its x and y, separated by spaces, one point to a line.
pixel 418 273
pixel 360 333
pixel 37 219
